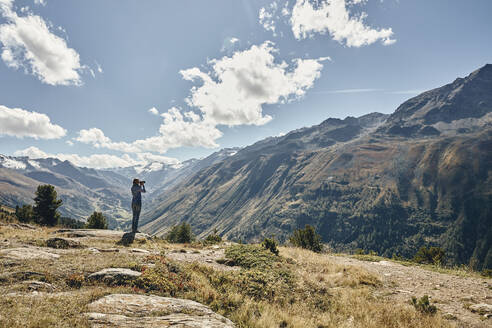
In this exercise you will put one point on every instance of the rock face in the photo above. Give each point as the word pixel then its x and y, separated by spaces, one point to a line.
pixel 27 253
pixel 127 310
pixel 465 98
pixel 114 276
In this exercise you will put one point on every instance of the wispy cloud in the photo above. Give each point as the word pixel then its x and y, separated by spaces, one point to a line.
pixel 350 91
pixel 406 92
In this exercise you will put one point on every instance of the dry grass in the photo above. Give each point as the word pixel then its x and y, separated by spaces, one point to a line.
pixel 316 293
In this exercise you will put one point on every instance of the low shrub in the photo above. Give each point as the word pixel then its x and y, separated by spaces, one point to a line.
pixel 307 238
pixel 271 245
pixel 75 280
pixel 213 238
pixel 423 305
pixel 250 256
pixel 431 255
pixel 165 277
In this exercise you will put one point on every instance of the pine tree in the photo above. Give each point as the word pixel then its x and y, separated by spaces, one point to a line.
pixel 97 221
pixel 46 205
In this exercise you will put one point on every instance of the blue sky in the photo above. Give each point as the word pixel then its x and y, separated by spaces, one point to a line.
pixel 77 78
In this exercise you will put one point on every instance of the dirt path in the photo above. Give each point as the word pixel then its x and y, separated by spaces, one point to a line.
pixel 451 294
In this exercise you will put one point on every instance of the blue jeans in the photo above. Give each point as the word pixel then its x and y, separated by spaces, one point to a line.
pixel 136 208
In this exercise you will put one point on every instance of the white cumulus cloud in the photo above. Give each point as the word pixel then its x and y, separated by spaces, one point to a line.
pixel 334 17
pixel 40 2
pixel 21 123
pixel 176 130
pixel 28 43
pixel 231 92
pixel 237 87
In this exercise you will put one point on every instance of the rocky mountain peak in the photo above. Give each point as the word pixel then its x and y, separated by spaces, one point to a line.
pixel 465 98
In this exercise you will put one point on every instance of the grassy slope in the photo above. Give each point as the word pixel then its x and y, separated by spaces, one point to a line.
pixel 299 288
pixel 406 193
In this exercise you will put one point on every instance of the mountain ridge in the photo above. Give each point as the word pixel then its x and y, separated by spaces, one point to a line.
pixel 361 186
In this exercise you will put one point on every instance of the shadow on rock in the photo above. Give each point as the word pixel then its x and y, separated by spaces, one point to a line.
pixel 127 239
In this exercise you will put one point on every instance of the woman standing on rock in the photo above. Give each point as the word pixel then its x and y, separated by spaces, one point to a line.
pixel 137 189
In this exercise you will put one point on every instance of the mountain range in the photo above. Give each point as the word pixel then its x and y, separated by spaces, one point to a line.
pixel 84 190
pixel 421 176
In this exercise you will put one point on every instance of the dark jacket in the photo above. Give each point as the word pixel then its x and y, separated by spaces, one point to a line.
pixel 137 191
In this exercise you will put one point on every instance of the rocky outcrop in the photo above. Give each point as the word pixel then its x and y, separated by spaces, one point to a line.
pixel 27 253
pixel 98 234
pixel 465 98
pixel 114 276
pixel 127 310
pixel 482 308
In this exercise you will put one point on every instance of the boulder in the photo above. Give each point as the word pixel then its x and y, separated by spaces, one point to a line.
pixel 27 253
pixel 131 310
pixel 127 239
pixel 64 243
pixel 114 276
pixel 481 308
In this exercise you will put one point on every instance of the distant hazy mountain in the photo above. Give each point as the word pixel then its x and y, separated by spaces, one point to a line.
pixel 85 190
pixel 422 176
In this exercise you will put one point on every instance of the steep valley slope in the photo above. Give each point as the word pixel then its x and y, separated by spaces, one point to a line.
pixel 420 177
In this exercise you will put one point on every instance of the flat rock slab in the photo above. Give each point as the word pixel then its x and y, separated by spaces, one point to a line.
pixel 114 276
pixel 98 233
pixel 63 243
pixel 27 253
pixel 130 310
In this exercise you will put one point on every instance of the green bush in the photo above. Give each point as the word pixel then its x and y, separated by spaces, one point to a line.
pixel 96 221
pixel 213 238
pixel 165 278
pixel 423 305
pixel 431 255
pixel 271 245
pixel 250 256
pixel 46 205
pixel 24 213
pixel 180 234
pixel 307 238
